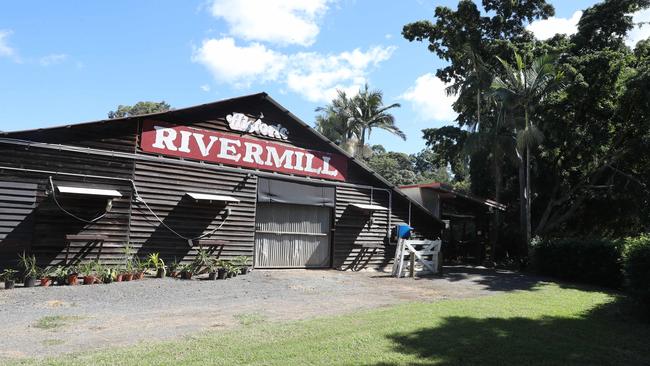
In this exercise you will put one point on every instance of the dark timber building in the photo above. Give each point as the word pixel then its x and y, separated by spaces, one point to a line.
pixel 241 177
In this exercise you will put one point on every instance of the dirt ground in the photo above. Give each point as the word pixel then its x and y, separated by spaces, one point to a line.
pixel 55 320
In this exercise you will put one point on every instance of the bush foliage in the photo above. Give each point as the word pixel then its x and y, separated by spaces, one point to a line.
pixel 637 267
pixel 593 261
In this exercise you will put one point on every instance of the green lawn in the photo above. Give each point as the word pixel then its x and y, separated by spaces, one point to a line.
pixel 548 325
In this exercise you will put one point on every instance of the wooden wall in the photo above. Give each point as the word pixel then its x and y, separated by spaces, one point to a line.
pixel 30 221
pixel 163 186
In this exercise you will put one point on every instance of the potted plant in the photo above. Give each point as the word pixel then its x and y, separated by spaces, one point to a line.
pixel 30 270
pixel 119 273
pixel 201 261
pixel 73 275
pixel 46 277
pixel 9 276
pixel 232 270
pixel 222 270
pixel 59 274
pixel 213 267
pixel 107 275
pixel 243 263
pixel 89 272
pixel 186 270
pixel 139 268
pixel 173 268
pixel 158 264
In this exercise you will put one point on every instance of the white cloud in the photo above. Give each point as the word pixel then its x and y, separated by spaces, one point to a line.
pixel 5 49
pixel 280 21
pixel 313 75
pixel 547 28
pixel 641 31
pixel 317 77
pixel 52 59
pixel 429 99
pixel 238 65
pixel 205 87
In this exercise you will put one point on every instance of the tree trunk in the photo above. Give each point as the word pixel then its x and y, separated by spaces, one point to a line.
pixel 497 197
pixel 522 204
pixel 527 193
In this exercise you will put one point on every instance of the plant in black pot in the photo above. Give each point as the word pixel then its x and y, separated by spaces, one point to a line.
pixel 233 270
pixel 59 274
pixel 157 264
pixel 213 269
pixel 9 276
pixel 243 263
pixel 30 270
pixel 222 269
pixel 201 261
pixel 187 271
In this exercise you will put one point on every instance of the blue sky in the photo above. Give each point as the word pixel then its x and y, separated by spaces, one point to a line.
pixel 73 61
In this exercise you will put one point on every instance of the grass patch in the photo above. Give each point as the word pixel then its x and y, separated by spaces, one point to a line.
pixel 250 319
pixel 548 325
pixel 56 321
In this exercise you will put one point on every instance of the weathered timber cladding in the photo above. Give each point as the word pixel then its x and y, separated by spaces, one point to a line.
pixel 46 223
pixel 357 243
pixel 164 185
pixel 30 221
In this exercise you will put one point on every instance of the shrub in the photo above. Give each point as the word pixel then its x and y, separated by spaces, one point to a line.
pixel 637 267
pixel 593 261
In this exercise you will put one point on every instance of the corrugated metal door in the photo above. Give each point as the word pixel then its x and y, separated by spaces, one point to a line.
pixel 292 236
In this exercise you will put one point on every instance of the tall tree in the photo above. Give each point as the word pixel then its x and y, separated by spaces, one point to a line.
pixel 524 88
pixel 139 108
pixel 349 121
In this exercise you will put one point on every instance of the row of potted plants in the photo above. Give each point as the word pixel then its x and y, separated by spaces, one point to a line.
pixel 134 268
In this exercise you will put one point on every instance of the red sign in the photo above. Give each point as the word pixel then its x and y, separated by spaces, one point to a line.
pixel 187 142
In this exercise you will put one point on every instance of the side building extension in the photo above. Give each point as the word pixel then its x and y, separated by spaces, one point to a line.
pixel 241 176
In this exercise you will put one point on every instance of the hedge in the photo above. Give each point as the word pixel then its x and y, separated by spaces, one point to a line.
pixel 593 261
pixel 637 267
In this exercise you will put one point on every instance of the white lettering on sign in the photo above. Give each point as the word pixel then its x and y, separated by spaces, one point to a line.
pixel 230 149
pixel 243 123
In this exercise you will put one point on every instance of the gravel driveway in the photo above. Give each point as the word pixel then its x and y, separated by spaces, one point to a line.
pixel 97 316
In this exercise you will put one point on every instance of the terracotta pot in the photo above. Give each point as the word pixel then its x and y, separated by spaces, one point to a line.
pixel 173 274
pixel 160 273
pixel 127 277
pixel 118 277
pixel 72 279
pixel 89 280
pixel 29 282
pixel 46 281
pixel 9 284
pixel 138 276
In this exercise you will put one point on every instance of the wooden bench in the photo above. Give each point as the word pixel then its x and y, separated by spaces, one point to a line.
pixel 82 241
pixel 212 245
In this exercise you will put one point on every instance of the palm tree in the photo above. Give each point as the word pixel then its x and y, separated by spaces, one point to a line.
pixel 522 88
pixel 369 112
pixel 349 121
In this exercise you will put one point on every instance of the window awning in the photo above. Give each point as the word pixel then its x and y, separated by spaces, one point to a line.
pixel 88 191
pixel 369 207
pixel 212 197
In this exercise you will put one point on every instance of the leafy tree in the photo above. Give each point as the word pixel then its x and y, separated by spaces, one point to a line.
pixel 139 108
pixel 402 169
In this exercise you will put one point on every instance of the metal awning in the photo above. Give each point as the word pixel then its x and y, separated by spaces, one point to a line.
pixel 369 207
pixel 88 191
pixel 212 197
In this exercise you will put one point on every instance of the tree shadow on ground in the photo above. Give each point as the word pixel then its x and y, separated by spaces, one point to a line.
pixel 607 335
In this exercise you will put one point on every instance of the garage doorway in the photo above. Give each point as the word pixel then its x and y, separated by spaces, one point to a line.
pixel 292 236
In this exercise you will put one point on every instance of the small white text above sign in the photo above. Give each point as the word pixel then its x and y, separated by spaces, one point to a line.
pixel 243 123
